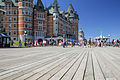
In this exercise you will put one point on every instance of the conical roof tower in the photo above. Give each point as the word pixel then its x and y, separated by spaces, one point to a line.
pixel 56 6
pixel 39 6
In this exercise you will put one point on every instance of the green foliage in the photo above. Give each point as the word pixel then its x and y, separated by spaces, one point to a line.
pixel 16 43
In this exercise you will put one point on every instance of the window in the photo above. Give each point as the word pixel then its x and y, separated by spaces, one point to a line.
pixel 30 13
pixel 26 18
pixel 28 32
pixel 9 12
pixel 15 12
pixel 9 18
pixel 2 19
pixel 71 11
pixel 10 5
pixel 29 18
pixel 29 4
pixel 14 25
pixel 40 15
pixel 6 12
pixel 2 25
pixel 40 22
pixel 25 26
pixel 40 27
pixel 26 12
pixel 23 12
pixel 14 32
pixel 73 27
pixel 28 25
pixel 14 19
pixel 40 34
pixel 23 4
pixel 9 25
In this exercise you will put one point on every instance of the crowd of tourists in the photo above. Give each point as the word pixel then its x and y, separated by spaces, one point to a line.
pixel 72 43
pixel 100 43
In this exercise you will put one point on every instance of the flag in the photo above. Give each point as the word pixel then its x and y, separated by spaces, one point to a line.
pixel 100 29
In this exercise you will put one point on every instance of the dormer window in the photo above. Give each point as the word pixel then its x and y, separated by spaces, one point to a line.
pixel 71 11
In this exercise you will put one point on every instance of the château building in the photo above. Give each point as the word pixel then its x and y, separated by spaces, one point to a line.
pixel 38 21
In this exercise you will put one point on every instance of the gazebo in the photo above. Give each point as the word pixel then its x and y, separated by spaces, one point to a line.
pixel 101 38
pixel 4 40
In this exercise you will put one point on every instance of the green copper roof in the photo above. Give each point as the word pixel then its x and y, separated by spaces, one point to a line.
pixel 55 3
pixel 70 8
pixel 2 3
pixel 15 3
pixel 39 6
pixel 72 12
pixel 50 10
pixel 56 6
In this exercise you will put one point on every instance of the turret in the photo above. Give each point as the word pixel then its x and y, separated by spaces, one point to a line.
pixel 55 16
pixel 39 6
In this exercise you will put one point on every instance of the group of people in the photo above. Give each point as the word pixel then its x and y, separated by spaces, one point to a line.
pixel 72 43
pixel 100 43
pixel 116 43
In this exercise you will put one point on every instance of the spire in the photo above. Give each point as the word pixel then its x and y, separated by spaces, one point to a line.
pixel 81 31
pixel 70 8
pixel 39 6
pixel 56 6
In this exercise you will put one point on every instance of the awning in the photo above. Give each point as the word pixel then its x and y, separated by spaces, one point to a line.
pixel 3 35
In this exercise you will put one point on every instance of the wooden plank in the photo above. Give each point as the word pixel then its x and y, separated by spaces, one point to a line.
pixel 70 74
pixel 52 72
pixel 65 69
pixel 115 69
pixel 81 70
pixel 89 70
pixel 25 69
pixel 97 69
pixel 42 70
pixel 106 70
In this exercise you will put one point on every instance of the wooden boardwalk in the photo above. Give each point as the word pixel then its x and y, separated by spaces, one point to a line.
pixel 57 63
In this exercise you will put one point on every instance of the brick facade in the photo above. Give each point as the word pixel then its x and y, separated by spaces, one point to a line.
pixel 38 21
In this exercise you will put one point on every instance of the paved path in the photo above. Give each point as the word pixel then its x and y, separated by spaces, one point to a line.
pixel 57 63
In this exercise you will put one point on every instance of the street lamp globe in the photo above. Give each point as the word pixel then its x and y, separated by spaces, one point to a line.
pixel 25 32
pixel 109 35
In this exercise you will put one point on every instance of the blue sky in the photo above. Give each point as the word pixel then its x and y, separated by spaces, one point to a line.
pixel 95 15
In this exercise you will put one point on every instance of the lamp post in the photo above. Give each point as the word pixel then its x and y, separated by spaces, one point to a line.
pixel 25 37
pixel 109 39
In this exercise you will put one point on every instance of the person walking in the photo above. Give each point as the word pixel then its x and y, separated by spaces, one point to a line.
pixel 60 43
pixel 65 44
pixel 105 42
pixel 113 43
pixel 20 43
pixel 36 43
pixel 3 44
pixel 89 43
pixel 118 43
pixel 44 43
pixel 12 43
